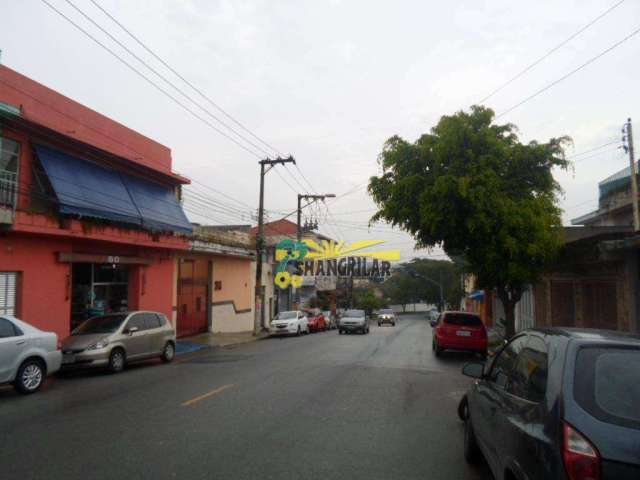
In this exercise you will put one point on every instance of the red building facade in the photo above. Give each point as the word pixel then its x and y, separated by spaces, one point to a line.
pixel 89 214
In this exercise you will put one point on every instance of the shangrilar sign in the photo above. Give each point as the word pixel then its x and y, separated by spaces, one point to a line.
pixel 297 260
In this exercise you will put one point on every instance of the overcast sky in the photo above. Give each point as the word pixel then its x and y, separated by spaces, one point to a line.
pixel 330 81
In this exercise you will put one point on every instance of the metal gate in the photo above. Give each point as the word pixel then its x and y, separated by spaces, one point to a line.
pixel 193 294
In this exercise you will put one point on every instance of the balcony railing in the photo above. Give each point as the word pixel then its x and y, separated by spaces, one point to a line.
pixel 8 195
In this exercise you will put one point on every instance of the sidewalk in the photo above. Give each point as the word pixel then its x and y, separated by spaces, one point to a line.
pixel 216 340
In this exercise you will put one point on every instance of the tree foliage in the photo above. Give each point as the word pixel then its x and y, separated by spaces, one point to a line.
pixel 473 188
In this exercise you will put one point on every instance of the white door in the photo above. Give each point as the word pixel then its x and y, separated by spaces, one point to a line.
pixel 8 349
pixel 8 293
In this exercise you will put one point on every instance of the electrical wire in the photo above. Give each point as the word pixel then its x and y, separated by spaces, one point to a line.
pixel 567 75
pixel 550 52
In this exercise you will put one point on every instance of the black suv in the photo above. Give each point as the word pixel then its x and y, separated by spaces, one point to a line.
pixel 557 404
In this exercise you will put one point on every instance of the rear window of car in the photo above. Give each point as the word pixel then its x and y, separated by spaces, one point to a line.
pixel 462 319
pixel 607 384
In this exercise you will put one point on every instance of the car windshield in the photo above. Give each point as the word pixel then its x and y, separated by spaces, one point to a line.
pixel 607 384
pixel 286 315
pixel 104 324
pixel 386 312
pixel 462 319
pixel 354 313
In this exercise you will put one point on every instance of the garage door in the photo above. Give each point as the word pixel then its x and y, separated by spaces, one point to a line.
pixel 193 292
pixel 8 282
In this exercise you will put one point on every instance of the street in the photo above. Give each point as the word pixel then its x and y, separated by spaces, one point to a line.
pixel 377 406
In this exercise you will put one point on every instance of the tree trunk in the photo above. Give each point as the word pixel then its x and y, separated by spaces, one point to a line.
pixel 509 298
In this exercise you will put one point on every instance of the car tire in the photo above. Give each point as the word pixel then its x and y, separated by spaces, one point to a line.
pixel 339 332
pixel 463 408
pixel 471 449
pixel 379 324
pixel 438 350
pixel 168 352
pixel 298 332
pixel 393 324
pixel 30 376
pixel 117 360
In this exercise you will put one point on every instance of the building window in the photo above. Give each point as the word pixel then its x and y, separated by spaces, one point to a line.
pixel 8 292
pixel 9 156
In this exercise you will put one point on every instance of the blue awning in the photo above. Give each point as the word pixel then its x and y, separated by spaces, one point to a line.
pixel 87 189
pixel 158 205
pixel 477 295
pixel 90 190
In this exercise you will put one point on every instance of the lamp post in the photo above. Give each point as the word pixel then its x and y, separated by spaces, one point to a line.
pixel 415 274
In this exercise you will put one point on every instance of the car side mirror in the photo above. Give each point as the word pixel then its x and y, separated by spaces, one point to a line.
pixel 473 370
pixel 433 323
pixel 130 331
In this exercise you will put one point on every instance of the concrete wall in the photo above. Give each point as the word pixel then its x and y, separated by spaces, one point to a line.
pixel 232 305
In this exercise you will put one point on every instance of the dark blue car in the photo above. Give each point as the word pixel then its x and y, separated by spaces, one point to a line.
pixel 557 404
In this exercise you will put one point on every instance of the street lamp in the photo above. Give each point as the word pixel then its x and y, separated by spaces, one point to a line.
pixel 415 274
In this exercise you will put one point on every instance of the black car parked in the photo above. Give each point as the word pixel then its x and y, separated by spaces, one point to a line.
pixel 557 404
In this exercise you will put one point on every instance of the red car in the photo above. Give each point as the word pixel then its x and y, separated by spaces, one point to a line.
pixel 459 331
pixel 317 322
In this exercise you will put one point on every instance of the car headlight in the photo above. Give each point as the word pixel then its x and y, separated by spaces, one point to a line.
pixel 99 344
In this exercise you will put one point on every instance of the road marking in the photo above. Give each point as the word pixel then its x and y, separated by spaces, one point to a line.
pixel 207 395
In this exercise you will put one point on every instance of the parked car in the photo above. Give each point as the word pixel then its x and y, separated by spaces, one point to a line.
pixel 557 403
pixel 330 319
pixel 113 340
pixel 354 321
pixel 27 354
pixel 316 320
pixel 386 316
pixel 292 322
pixel 459 331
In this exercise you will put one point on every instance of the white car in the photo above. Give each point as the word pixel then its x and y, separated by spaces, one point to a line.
pixel 289 323
pixel 27 355
pixel 354 321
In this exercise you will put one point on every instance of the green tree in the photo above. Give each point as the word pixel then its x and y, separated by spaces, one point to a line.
pixel 401 289
pixel 368 301
pixel 473 188
pixel 432 272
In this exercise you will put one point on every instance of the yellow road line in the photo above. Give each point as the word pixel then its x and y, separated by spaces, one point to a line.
pixel 207 395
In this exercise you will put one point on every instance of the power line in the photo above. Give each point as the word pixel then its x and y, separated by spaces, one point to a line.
pixel 567 75
pixel 151 82
pixel 181 77
pixel 550 52
pixel 162 77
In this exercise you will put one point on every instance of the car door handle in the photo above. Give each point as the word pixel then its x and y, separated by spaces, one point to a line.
pixel 20 342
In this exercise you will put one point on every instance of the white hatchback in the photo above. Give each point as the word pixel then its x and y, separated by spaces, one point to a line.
pixel 289 323
pixel 27 355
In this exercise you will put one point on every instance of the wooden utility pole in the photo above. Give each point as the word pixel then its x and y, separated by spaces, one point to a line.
pixel 310 199
pixel 265 165
pixel 634 178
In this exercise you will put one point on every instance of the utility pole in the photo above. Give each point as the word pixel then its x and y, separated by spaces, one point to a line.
pixel 310 199
pixel 265 165
pixel 634 178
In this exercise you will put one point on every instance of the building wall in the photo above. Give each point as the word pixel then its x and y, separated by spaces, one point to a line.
pixel 44 288
pixel 232 304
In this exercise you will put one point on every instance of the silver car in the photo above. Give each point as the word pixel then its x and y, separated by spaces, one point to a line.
pixel 115 339
pixel 386 316
pixel 27 355
pixel 354 321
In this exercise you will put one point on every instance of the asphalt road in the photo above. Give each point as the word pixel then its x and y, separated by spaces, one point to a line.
pixel 323 406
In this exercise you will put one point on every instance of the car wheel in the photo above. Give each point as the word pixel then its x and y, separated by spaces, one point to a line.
pixel 168 353
pixel 298 332
pixel 438 350
pixel 463 408
pixel 117 360
pixel 340 332
pixel 30 376
pixel 393 324
pixel 471 450
pixel 379 324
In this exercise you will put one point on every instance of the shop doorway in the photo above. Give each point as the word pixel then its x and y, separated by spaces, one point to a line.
pixel 96 289
pixel 193 296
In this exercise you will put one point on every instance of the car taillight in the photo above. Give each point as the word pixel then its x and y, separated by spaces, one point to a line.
pixel 581 459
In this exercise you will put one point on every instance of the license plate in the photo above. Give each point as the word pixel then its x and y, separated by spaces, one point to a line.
pixel 462 333
pixel 68 358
